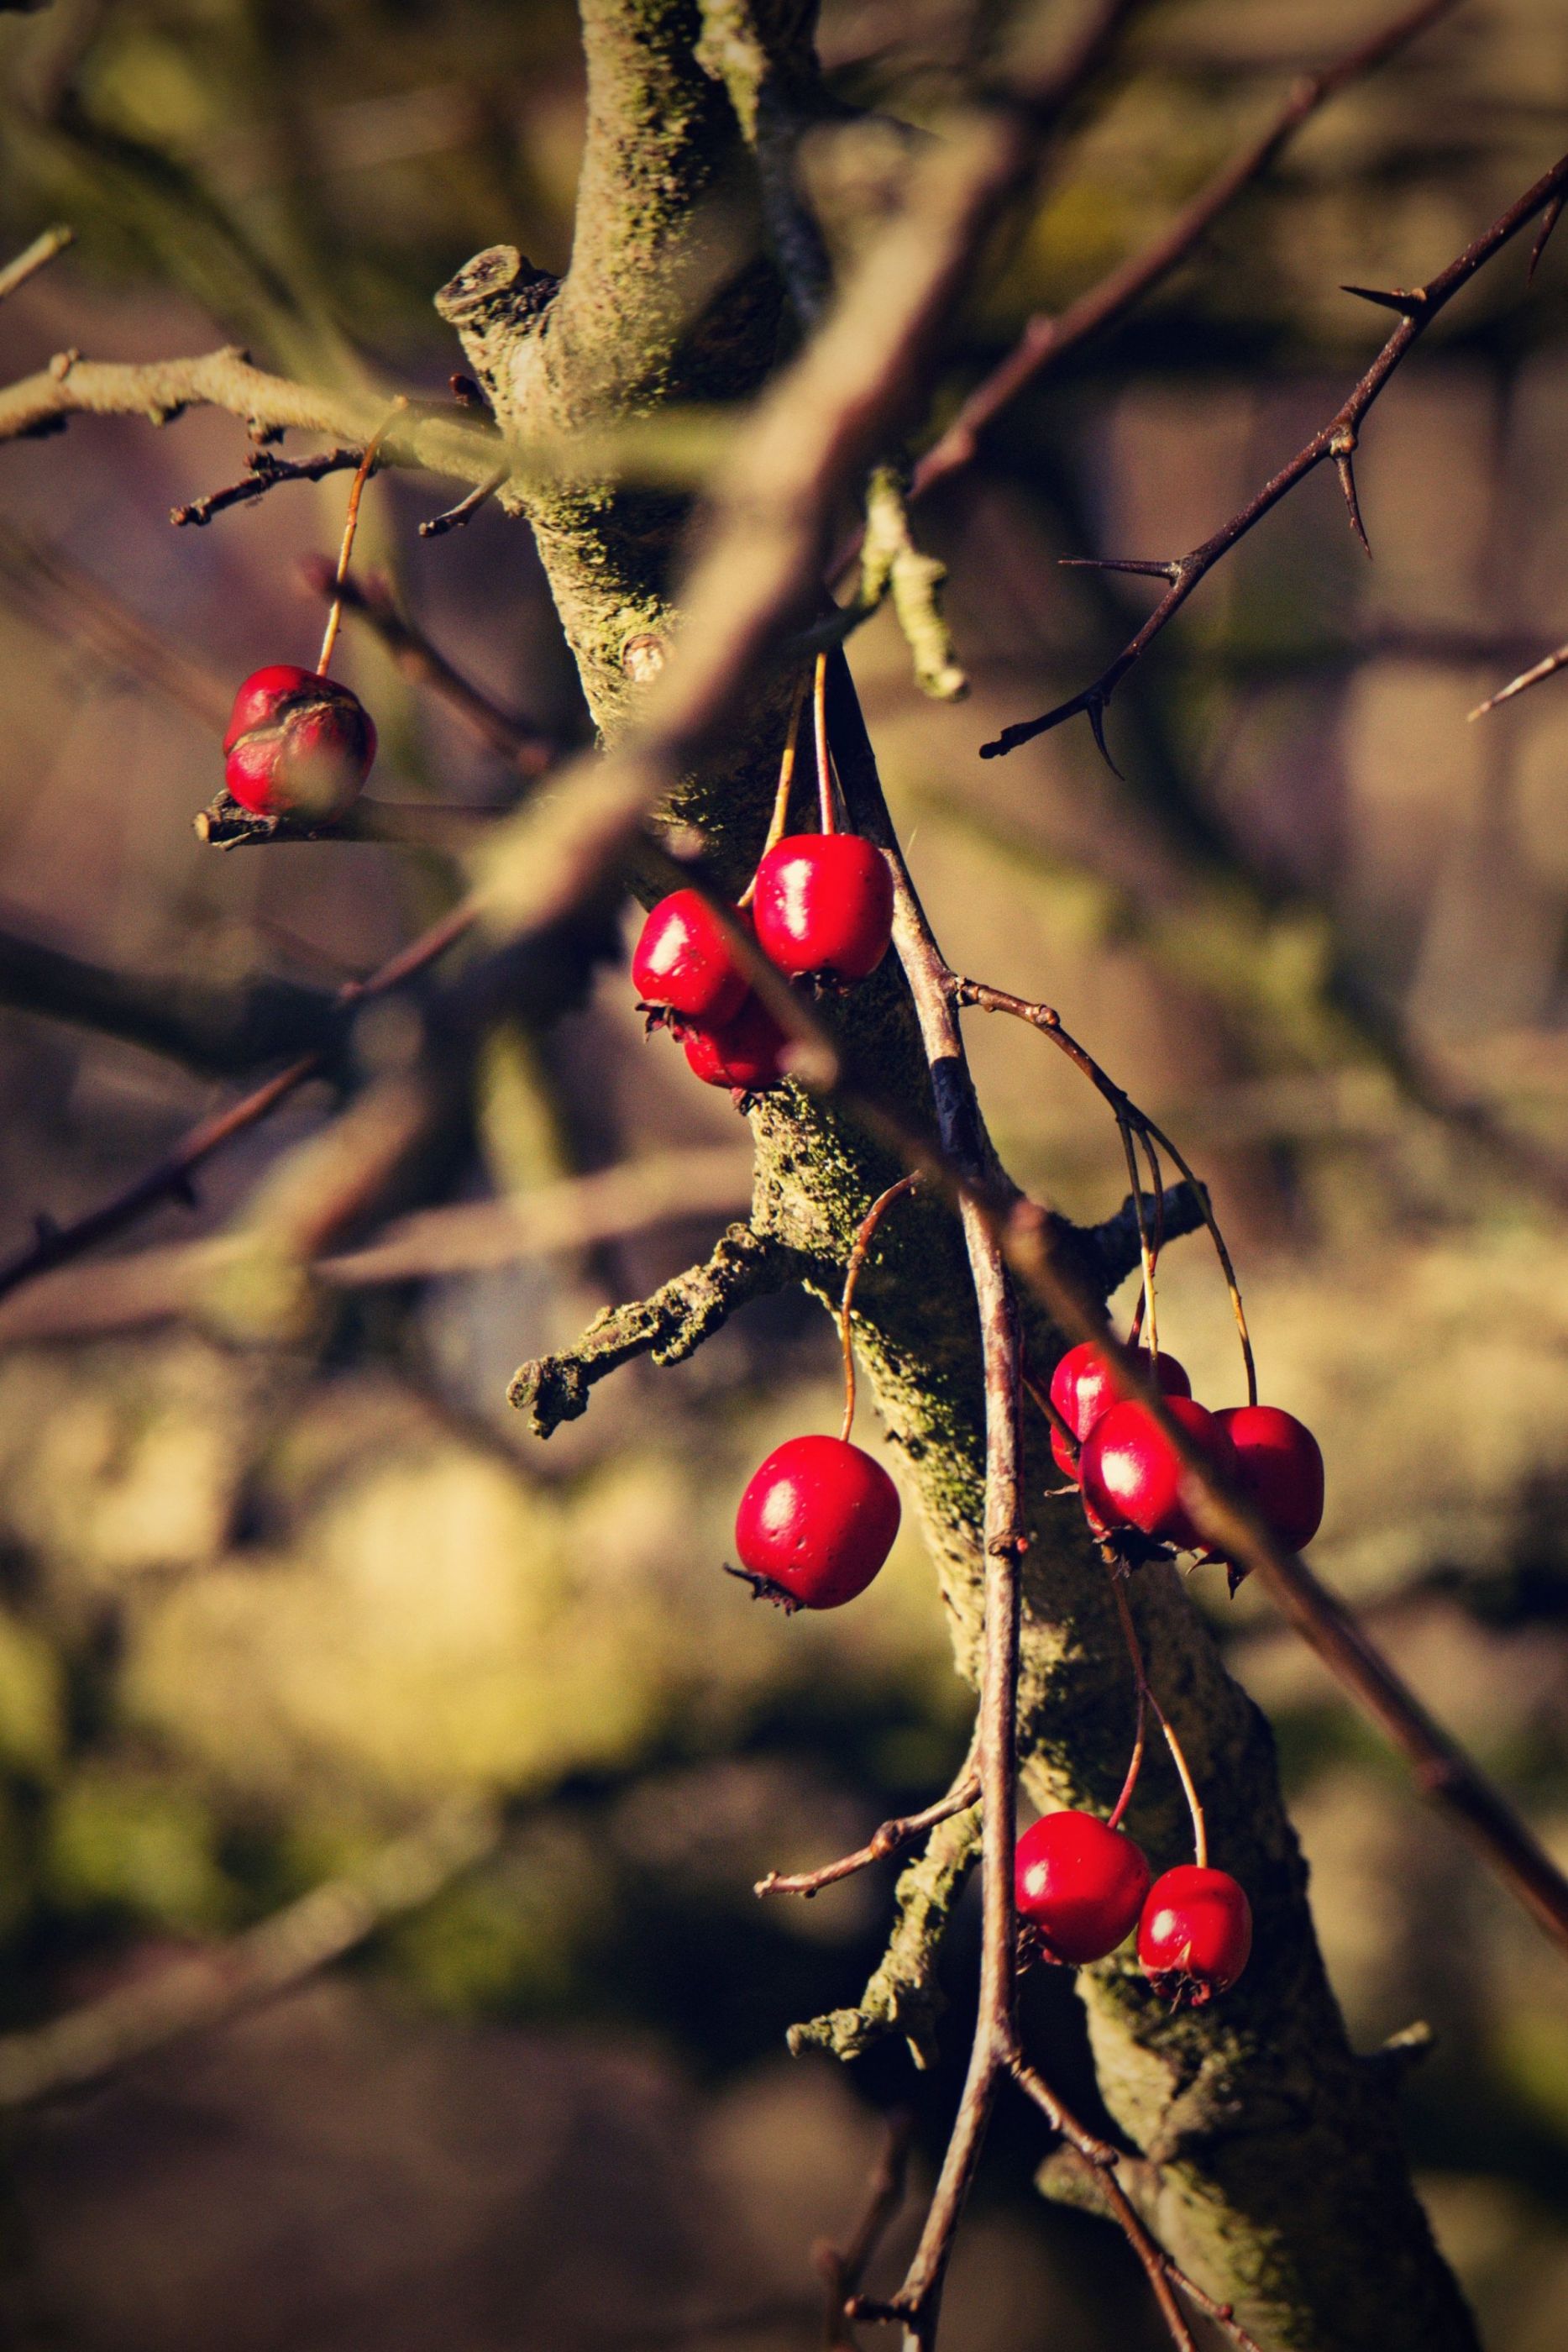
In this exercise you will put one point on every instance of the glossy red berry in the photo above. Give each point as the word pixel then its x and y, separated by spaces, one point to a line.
pixel 746 1054
pixel 1279 1466
pixel 1081 1884
pixel 1086 1383
pixel 1131 1474
pixel 297 745
pixel 683 963
pixel 816 1522
pixel 1195 1934
pixel 824 904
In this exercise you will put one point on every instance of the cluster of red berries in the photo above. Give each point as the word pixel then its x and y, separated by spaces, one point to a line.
pixel 820 909
pixel 297 745
pixel 1130 1474
pixel 1082 1886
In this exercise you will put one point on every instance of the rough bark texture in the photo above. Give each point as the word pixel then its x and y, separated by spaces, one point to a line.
pixel 1282 2183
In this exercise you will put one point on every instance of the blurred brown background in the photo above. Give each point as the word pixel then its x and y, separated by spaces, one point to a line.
pixel 266 1610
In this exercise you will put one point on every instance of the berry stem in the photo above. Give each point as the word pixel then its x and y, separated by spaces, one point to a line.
pixel 778 823
pixel 1146 1699
pixel 351 525
pixel 1145 1254
pixel 857 1258
pixel 1157 1135
pixel 824 763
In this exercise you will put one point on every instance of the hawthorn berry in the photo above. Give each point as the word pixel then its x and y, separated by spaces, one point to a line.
pixel 297 745
pixel 1080 1884
pixel 1279 1466
pixel 1131 1474
pixel 683 963
pixel 1195 1934
pixel 823 905
pixel 745 1053
pixel 1086 1383
pixel 816 1523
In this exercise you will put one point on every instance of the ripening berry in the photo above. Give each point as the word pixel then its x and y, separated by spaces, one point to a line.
pixel 746 1054
pixel 1081 1884
pixel 1131 1474
pixel 824 904
pixel 1086 1384
pixel 297 745
pixel 1279 1467
pixel 816 1522
pixel 684 964
pixel 1195 1934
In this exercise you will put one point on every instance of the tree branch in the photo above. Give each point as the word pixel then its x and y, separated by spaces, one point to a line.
pixel 669 1327
pixel 1334 444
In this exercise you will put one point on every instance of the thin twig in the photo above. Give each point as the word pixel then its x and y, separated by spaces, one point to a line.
pixel 864 1239
pixel 264 471
pixel 34 257
pixel 1541 670
pixel 1334 444
pixel 195 1994
pixel 455 517
pixel 173 1178
pixel 889 1839
pixel 842 2271
pixel 1047 340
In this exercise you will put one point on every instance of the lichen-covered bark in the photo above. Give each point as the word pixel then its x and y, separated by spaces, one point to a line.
pixel 1281 2181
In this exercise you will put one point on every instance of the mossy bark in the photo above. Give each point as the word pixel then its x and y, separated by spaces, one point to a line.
pixel 1283 2186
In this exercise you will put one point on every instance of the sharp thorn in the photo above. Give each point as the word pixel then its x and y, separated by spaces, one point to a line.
pixel 1096 709
pixel 1346 473
pixel 1146 567
pixel 1393 297
pixel 1549 220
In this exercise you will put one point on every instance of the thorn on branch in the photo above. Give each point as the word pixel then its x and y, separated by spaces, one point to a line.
pixel 1146 567
pixel 1408 302
pixel 1340 450
pixel 1549 220
pixel 1540 671
pixel 34 257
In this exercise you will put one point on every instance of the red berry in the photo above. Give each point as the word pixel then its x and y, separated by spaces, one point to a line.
pixel 746 1054
pixel 1279 1465
pixel 1131 1473
pixel 1087 1382
pixel 1195 1934
pixel 824 904
pixel 685 964
pixel 297 745
pixel 1081 1884
pixel 816 1522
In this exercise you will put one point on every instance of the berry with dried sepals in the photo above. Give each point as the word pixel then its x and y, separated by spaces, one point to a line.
pixel 1131 1474
pixel 1195 1934
pixel 824 906
pixel 745 1053
pixel 298 744
pixel 1087 1382
pixel 1279 1467
pixel 1080 1885
pixel 685 964
pixel 816 1523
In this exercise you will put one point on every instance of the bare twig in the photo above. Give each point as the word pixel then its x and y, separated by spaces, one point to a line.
pixel 173 1178
pixel 69 602
pixel 466 510
pixel 1047 340
pixel 264 471
pixel 843 2270
pixel 1334 444
pixel 34 257
pixel 1534 676
pixel 528 747
pixel 889 1839
pixel 194 1994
